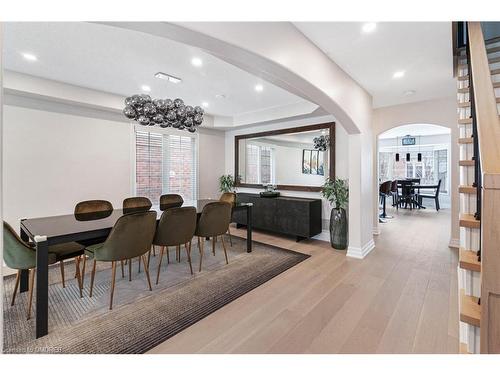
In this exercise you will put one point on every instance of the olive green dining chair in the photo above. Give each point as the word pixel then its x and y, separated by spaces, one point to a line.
pixel 231 199
pixel 170 201
pixel 131 237
pixel 176 228
pixel 90 208
pixel 136 204
pixel 19 255
pixel 213 222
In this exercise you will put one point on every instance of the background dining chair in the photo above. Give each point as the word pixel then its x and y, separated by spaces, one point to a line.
pixel 19 255
pixel 434 196
pixel 231 199
pixel 395 193
pixel 136 204
pixel 176 228
pixel 213 222
pixel 89 209
pixel 170 201
pixel 131 237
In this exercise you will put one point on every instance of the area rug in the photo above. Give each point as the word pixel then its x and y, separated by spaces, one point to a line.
pixel 140 319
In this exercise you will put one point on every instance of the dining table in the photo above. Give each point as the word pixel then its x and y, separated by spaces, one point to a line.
pixel 414 186
pixel 53 230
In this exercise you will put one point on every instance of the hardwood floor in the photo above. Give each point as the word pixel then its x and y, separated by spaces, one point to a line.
pixel 400 299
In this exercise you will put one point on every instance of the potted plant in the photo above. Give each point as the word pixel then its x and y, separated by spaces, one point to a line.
pixel 226 183
pixel 336 191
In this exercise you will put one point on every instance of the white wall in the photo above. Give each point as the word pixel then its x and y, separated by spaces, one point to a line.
pixel 341 160
pixel 441 112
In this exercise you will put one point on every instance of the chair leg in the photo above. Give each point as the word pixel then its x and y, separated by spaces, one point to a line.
pixel 139 266
pixel 113 273
pixel 230 237
pixel 146 270
pixel 61 266
pixel 31 287
pixel 213 244
pixel 149 257
pixel 188 251
pixel 78 275
pixel 159 265
pixel 92 277
pixel 437 204
pixel 168 254
pixel 83 269
pixel 129 269
pixel 123 271
pixel 154 251
pixel 224 247
pixel 200 247
pixel 178 250
pixel 16 285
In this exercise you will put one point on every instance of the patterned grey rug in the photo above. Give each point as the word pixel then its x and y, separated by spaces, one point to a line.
pixel 140 319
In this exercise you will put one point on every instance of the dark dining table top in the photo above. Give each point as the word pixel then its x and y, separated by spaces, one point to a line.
pixel 66 225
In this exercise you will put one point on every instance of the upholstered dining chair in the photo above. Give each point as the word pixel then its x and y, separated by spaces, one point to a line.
pixel 170 201
pixel 231 199
pixel 131 237
pixel 136 204
pixel 176 228
pixel 19 255
pixel 89 209
pixel 213 222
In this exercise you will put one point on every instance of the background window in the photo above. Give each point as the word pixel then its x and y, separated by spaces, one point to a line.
pixel 165 164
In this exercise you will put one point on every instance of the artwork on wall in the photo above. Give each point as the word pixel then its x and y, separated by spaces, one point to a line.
pixel 313 162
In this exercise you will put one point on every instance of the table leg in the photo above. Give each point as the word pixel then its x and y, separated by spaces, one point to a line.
pixel 249 229
pixel 23 287
pixel 42 285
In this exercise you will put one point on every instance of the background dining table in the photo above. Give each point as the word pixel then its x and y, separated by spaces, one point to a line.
pixel 53 230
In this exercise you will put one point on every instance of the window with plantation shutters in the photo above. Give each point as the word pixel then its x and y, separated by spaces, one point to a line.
pixel 165 163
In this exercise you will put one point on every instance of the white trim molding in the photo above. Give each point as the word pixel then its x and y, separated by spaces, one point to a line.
pixel 454 243
pixel 360 253
pixel 376 231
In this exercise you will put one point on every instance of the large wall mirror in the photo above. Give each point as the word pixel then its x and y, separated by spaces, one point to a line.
pixel 300 158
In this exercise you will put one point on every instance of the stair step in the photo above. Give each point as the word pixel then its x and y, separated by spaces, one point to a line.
pixel 493 60
pixel 465 121
pixel 467 260
pixel 467 104
pixel 470 311
pixel 469 221
pixel 463 90
pixel 465 140
pixel 467 189
pixel 466 163
pixel 463 78
pixel 496 85
pixel 463 349
pixel 495 71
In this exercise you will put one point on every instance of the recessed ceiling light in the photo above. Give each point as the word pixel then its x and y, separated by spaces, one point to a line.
pixel 204 104
pixel 29 57
pixel 220 96
pixel 196 61
pixel 409 93
pixel 145 88
pixel 369 27
pixel 398 74
pixel 168 77
pixel 259 88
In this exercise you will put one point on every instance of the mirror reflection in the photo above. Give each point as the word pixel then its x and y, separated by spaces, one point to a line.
pixel 285 159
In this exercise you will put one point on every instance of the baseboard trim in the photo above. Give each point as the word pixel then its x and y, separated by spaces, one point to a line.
pixel 454 243
pixel 376 231
pixel 361 252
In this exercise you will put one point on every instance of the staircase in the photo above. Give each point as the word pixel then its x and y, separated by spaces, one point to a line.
pixel 471 197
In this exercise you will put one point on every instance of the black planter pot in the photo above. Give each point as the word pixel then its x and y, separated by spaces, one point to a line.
pixel 338 229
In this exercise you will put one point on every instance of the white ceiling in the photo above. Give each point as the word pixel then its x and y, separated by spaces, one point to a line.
pixel 414 130
pixel 421 49
pixel 120 61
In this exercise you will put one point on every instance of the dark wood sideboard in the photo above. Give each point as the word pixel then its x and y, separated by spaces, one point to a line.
pixel 295 216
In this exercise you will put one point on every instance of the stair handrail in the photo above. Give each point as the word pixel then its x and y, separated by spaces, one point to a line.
pixel 486 133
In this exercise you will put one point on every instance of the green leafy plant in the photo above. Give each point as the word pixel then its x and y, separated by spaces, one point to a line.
pixel 336 191
pixel 226 183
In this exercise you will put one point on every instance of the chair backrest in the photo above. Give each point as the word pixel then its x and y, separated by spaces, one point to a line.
pixel 176 227
pixel 385 187
pixel 16 253
pixel 229 198
pixel 136 204
pixel 438 187
pixel 131 236
pixel 394 186
pixel 170 201
pixel 93 206
pixel 214 219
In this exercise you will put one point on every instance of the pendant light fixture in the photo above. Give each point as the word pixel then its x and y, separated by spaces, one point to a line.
pixel 408 156
pixel 397 150
pixel 419 155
